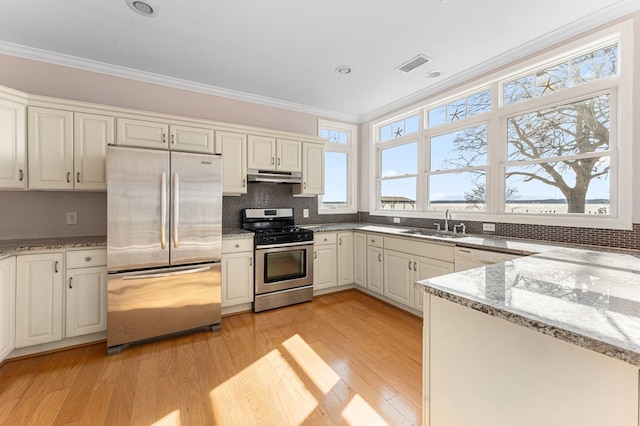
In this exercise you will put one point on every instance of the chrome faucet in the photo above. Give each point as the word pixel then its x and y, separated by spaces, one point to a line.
pixel 447 218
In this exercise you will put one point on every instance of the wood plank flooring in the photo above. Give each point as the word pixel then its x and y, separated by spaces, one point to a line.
pixel 345 358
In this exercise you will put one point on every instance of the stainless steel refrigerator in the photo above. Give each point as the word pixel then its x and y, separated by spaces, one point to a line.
pixel 164 236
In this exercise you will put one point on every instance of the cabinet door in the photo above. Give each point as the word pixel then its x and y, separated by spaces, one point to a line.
pixel 191 139
pixel 360 259
pixel 289 155
pixel 237 278
pixel 91 135
pixel 86 301
pixel 398 277
pixel 375 269
pixel 345 258
pixel 428 268
pixel 38 299
pixel 141 133
pixel 324 267
pixel 233 147
pixel 7 306
pixel 261 153
pixel 13 142
pixel 312 170
pixel 50 148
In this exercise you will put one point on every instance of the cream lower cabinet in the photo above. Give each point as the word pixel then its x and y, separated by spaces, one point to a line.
pixel 345 258
pixel 13 145
pixel 7 306
pixel 407 261
pixel 360 259
pixel 325 268
pixel 237 271
pixel 39 293
pixel 233 147
pixel 375 269
pixel 86 292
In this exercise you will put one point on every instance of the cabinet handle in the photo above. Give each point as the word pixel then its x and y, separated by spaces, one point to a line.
pixel 272 161
pixel 55 267
pixel 87 259
pixel 70 285
pixel 173 138
pixel 164 138
pixel 78 177
pixel 68 177
pixel 315 254
pixel 244 182
pixel 415 266
pixel 21 175
pixel 379 257
pixel 304 185
pixel 409 265
pixel 251 261
pixel 278 161
pixel 340 241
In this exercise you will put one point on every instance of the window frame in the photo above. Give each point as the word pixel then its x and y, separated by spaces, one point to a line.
pixel 350 149
pixel 618 87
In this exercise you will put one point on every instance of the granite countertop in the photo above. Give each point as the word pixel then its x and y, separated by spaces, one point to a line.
pixel 584 297
pixel 9 247
pixel 235 233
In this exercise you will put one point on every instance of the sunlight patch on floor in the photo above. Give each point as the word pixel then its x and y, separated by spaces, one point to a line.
pixel 173 418
pixel 315 367
pixel 358 412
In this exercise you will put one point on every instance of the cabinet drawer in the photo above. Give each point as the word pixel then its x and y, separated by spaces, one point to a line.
pixel 236 245
pixel 323 238
pixel 374 240
pixel 86 258
pixel 438 251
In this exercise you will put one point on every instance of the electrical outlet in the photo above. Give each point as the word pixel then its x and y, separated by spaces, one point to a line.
pixel 396 220
pixel 488 227
pixel 305 212
pixel 72 218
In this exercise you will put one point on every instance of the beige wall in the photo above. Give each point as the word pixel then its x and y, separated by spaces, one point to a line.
pixel 366 153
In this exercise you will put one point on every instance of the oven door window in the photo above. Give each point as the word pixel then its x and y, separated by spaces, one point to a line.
pixel 285 265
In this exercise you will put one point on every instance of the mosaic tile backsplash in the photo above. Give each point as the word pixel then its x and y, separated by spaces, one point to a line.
pixel 271 195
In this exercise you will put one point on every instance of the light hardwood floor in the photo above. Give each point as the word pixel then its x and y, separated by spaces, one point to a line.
pixel 345 358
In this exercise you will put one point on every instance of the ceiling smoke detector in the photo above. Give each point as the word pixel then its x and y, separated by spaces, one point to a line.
pixel 343 70
pixel 143 8
pixel 413 63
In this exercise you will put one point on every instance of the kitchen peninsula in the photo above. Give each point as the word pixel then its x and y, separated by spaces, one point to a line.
pixel 549 339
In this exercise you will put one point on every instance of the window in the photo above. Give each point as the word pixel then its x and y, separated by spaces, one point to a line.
pixel 340 166
pixel 538 140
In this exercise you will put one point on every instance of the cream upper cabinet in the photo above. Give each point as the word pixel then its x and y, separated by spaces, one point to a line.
pixel 91 135
pixel 233 147
pixel 267 153
pixel 67 150
pixel 191 139
pixel 50 148
pixel 312 170
pixel 288 155
pixel 39 298
pixel 360 259
pixel 142 133
pixel 7 306
pixel 345 258
pixel 13 143
pixel 261 152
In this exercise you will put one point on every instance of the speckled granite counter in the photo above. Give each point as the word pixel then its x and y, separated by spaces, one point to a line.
pixel 235 233
pixel 10 247
pixel 588 298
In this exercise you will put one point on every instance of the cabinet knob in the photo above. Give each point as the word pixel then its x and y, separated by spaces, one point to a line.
pixel 237 245
pixel 87 259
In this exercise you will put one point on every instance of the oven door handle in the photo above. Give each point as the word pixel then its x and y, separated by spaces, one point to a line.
pixel 282 245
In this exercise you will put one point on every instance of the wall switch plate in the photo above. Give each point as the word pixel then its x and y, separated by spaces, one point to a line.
pixel 396 220
pixel 489 227
pixel 305 212
pixel 72 218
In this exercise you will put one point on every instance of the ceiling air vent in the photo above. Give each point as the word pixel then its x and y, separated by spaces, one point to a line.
pixel 413 63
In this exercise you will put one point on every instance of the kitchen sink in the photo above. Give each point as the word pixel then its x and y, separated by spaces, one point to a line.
pixel 433 233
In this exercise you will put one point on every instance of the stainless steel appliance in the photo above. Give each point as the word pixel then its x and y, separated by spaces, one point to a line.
pixel 284 258
pixel 164 239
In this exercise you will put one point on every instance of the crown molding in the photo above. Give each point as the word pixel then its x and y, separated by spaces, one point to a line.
pixel 148 77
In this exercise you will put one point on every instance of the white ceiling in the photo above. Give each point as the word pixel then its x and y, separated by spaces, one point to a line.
pixel 284 52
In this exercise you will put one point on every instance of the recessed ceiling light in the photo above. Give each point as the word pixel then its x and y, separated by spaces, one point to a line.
pixel 343 70
pixel 144 8
pixel 433 74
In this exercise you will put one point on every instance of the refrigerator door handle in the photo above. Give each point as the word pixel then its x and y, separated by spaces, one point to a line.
pixel 163 214
pixel 176 204
pixel 167 274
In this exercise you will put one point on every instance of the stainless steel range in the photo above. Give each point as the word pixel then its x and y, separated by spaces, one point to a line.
pixel 284 258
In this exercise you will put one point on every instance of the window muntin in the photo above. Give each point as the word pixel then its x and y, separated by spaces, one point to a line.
pixel 335 136
pixel 460 108
pixel 399 128
pixel 595 65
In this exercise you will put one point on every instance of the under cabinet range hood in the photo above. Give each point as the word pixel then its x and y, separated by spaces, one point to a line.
pixel 272 176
